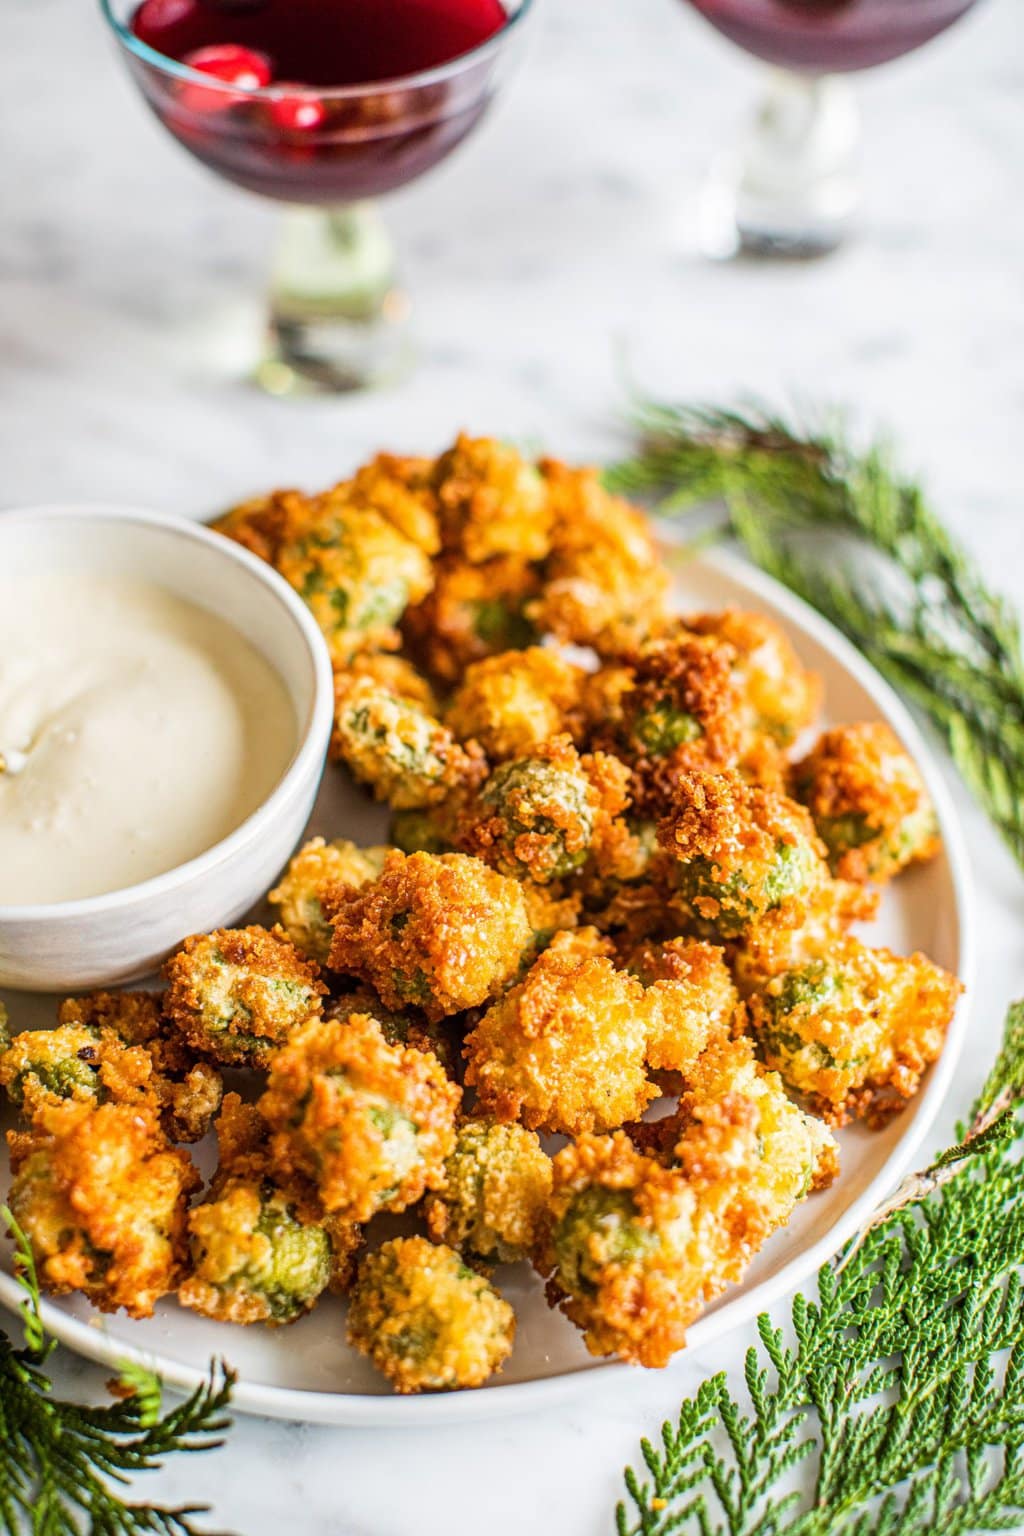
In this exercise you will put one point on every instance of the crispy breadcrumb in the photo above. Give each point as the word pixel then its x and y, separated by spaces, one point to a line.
pixel 538 817
pixel 497 1181
pixel 512 702
pixel 400 490
pixel 492 501
pixel 297 894
pixel 778 694
pixel 265 524
pixel 238 994
pixel 741 852
pixel 370 1124
pixel 439 931
pixel 563 1051
pixel 102 1197
pixel 691 1000
pixel 471 612
pixel 869 802
pixel 853 1032
pixel 427 1321
pixel 406 756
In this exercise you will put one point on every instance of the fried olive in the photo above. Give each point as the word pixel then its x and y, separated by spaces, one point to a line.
pixel 297 894
pixel 238 994
pixel 427 1321
pixel 406 756
pixel 512 702
pixel 497 1180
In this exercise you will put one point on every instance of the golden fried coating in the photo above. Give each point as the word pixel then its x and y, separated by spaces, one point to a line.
pixel 265 524
pixel 853 1032
pixel 620 1247
pixel 427 1321
pixel 868 801
pixel 682 709
pixel 774 945
pixel 297 894
pixel 497 1181
pixel 261 1251
pixel 472 611
pixel 357 574
pixel 102 1197
pixel 238 994
pixel 564 1050
pixel 399 489
pixel 409 1027
pixel 691 998
pixel 551 909
pixel 639 1238
pixel 512 702
pixel 779 696
pixel 538 817
pixel 370 1124
pixel 440 931
pixel 112 1047
pixel 406 756
pixel 604 584
pixel 492 501
pixel 741 852
pixel 397 675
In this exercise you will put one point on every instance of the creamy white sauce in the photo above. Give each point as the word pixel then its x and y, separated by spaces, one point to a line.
pixel 140 730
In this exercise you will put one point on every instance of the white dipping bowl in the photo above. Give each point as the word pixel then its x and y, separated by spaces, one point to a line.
pixel 104 940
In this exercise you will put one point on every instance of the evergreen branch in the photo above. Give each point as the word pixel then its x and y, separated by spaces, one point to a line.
pixel 58 1459
pixel 901 1399
pixel 802 504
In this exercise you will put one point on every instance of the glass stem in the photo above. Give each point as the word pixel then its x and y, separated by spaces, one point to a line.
pixel 337 317
pixel 792 189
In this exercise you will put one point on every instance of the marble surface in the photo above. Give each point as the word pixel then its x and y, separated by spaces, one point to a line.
pixel 551 257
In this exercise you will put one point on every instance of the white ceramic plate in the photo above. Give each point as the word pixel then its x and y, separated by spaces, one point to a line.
pixel 308 1372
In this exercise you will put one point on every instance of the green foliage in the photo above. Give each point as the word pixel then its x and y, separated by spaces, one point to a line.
pixel 886 571
pixel 59 1459
pixel 893 1403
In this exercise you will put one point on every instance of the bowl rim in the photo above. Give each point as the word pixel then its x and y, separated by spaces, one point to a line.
pixel 311 733
pixel 418 78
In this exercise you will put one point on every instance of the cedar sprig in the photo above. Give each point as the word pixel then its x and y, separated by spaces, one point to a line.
pixel 61 1462
pixel 892 1404
pixel 808 508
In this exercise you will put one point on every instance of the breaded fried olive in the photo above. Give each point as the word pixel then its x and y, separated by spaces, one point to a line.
pixel 442 932
pixel 427 1321
pixel 472 611
pixel 356 573
pixel 497 1180
pixel 537 818
pixel 853 1031
pixel 605 585
pixel 407 1027
pixel 682 696
pixel 406 756
pixel 869 802
pixel 492 501
pixel 297 894
pixel 113 1047
pixel 741 851
pixel 102 1197
pixel 399 489
pixel 563 1051
pixel 512 702
pixel 238 994
pixel 265 524
pixel 778 695
pixel 261 1247
pixel 370 1124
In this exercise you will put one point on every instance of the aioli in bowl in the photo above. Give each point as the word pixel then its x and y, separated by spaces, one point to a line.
pixel 136 731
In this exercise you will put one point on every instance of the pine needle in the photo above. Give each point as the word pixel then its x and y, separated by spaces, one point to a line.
pixel 857 540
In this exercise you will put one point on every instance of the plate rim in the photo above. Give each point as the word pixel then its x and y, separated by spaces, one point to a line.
pixel 392 1411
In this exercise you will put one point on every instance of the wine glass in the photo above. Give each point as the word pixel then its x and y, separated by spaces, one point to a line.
pixel 792 188
pixel 338 319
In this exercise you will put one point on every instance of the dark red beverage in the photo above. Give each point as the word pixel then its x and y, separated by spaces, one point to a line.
pixel 320 101
pixel 827 36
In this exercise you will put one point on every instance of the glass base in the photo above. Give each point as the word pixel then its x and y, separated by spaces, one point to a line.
pixel 338 320
pixel 793 188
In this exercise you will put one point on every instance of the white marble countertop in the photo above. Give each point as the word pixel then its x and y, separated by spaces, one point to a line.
pixel 560 234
